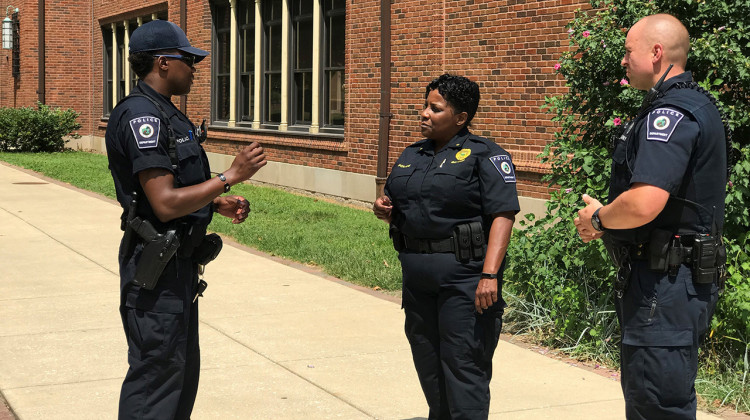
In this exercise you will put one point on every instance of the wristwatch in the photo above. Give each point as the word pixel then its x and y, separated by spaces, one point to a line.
pixel 596 222
pixel 489 275
pixel 224 180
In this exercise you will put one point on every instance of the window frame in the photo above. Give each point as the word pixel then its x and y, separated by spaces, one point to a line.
pixel 295 120
pixel 215 64
pixel 325 52
pixel 244 95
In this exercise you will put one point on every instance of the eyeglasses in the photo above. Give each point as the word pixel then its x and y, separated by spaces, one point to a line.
pixel 187 59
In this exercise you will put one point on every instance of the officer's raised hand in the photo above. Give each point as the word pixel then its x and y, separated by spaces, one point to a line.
pixel 250 159
pixel 382 208
pixel 233 206
pixel 583 222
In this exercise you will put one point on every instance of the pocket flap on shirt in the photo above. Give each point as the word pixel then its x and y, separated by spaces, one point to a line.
pixel 402 170
pixel 459 170
pixel 188 149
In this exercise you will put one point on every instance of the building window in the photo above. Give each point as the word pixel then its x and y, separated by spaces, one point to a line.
pixel 117 78
pixel 246 24
pixel 289 67
pixel 108 102
pixel 272 26
pixel 302 17
pixel 221 60
pixel 335 53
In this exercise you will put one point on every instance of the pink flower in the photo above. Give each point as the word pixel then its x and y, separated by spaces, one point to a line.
pixel 568 190
pixel 586 34
pixel 624 81
pixel 617 121
pixel 557 66
pixel 606 83
pixel 731 184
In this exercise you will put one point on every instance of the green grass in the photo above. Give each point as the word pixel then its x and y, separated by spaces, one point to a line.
pixel 84 170
pixel 345 242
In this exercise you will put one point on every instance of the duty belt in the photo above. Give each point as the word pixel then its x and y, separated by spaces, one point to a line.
pixel 467 243
pixel 428 246
pixel 678 252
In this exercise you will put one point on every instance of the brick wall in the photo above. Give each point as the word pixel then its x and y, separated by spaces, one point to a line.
pixel 21 91
pixel 508 46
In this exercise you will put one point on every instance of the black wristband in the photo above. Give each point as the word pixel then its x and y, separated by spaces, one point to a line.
pixel 224 180
pixel 489 275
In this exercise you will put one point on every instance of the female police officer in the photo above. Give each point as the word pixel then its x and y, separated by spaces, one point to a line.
pixel 451 201
pixel 154 151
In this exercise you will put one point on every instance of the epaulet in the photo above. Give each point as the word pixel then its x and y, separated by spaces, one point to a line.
pixel 489 144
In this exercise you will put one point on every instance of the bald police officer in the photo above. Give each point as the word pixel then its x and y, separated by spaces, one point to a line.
pixel 161 172
pixel 663 222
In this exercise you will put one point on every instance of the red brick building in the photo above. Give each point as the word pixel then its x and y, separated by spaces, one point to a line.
pixel 303 77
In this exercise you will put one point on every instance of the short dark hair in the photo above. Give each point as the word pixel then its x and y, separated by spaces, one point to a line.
pixel 461 93
pixel 142 63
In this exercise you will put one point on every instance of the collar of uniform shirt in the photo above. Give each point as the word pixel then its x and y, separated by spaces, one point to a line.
pixel 457 142
pixel 169 107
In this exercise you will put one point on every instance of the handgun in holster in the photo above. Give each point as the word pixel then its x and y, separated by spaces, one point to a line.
pixel 158 249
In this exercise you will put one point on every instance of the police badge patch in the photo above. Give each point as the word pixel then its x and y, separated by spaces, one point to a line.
pixel 661 124
pixel 504 165
pixel 146 131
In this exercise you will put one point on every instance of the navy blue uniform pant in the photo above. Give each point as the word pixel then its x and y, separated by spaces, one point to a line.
pixel 161 327
pixel 663 319
pixel 451 344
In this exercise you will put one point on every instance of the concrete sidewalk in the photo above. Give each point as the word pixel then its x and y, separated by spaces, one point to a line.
pixel 278 341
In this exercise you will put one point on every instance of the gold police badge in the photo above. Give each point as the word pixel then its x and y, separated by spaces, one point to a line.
pixel 462 154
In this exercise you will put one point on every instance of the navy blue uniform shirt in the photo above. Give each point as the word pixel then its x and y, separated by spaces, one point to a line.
pixel 137 139
pixel 677 144
pixel 468 180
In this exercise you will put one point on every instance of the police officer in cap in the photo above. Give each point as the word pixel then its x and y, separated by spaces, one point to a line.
pixel 451 201
pixel 163 182
pixel 662 224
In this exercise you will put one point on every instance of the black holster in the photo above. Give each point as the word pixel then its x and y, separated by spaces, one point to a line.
pixel 468 242
pixel 709 258
pixel 705 254
pixel 208 249
pixel 158 249
pixel 397 238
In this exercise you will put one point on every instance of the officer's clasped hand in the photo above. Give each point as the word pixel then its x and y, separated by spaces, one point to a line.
pixel 234 207
pixel 583 222
pixel 382 208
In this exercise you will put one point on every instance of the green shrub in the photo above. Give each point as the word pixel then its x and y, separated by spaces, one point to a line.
pixel 549 265
pixel 36 130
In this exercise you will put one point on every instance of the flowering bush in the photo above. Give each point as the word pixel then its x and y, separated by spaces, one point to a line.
pixel 549 265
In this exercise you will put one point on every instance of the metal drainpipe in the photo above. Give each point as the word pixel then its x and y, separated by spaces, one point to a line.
pixel 42 53
pixel 183 25
pixel 385 95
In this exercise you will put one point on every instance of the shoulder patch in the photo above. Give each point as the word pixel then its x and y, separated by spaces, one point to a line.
pixel 146 131
pixel 661 124
pixel 504 165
